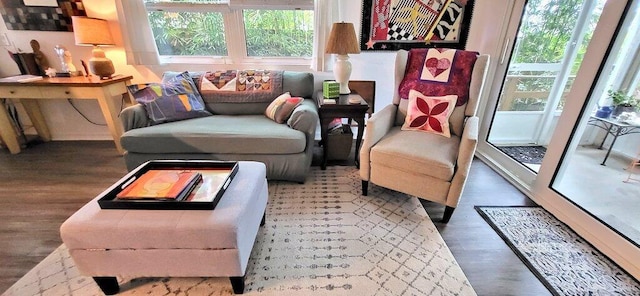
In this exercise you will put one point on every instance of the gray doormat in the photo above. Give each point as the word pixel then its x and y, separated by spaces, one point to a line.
pixel 525 154
pixel 564 262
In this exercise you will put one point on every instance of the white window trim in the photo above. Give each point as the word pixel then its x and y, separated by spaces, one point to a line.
pixel 233 18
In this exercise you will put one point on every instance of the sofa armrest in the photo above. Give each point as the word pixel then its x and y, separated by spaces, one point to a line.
pixel 305 117
pixel 134 117
pixel 377 126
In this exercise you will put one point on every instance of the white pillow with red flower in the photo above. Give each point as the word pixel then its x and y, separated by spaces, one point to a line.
pixel 429 114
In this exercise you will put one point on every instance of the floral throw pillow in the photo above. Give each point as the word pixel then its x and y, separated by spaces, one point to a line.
pixel 173 100
pixel 429 114
pixel 281 108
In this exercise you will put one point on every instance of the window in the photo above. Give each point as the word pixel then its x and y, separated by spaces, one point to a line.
pixel 239 33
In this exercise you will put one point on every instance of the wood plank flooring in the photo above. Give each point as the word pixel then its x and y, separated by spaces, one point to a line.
pixel 46 183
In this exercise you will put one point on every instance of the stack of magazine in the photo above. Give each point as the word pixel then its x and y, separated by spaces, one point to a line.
pixel 159 184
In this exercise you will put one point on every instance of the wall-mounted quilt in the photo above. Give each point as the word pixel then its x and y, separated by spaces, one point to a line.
pixel 42 15
pixel 405 24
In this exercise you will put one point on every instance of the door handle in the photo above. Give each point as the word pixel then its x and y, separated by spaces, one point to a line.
pixel 504 51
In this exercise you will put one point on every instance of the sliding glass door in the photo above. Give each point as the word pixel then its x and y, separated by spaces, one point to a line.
pixel 588 151
pixel 550 42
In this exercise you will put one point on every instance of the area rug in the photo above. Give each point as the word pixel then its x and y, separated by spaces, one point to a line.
pixel 320 238
pixel 525 154
pixel 564 262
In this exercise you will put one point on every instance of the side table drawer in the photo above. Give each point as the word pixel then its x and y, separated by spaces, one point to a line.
pixel 63 92
pixel 18 92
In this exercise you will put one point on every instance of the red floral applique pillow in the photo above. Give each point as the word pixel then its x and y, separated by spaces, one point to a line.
pixel 429 114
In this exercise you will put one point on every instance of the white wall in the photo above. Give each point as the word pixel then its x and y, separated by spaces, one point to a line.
pixel 65 124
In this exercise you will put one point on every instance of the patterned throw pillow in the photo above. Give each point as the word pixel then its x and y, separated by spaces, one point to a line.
pixel 281 108
pixel 439 72
pixel 173 100
pixel 429 114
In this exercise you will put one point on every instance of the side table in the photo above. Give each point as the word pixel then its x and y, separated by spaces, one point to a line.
pixel 614 128
pixel 106 92
pixel 340 107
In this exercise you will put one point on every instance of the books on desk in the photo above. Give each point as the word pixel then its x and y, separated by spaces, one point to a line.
pixel 22 78
pixel 169 184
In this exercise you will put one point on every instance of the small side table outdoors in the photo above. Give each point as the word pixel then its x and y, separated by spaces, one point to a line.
pixel 328 109
pixel 614 128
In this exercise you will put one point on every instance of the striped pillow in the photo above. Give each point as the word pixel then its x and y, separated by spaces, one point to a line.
pixel 281 108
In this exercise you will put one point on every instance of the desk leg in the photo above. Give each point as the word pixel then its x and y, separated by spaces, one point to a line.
pixel 360 121
pixel 35 115
pixel 110 113
pixel 324 124
pixel 7 133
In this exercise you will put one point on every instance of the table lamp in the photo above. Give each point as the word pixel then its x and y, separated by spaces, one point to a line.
pixel 342 41
pixel 94 32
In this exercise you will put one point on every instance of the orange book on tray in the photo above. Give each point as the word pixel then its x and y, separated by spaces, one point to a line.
pixel 161 184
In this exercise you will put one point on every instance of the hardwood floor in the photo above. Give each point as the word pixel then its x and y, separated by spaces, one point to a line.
pixel 46 183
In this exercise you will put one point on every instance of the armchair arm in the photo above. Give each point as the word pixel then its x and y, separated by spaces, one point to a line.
pixel 134 117
pixel 468 143
pixel 377 126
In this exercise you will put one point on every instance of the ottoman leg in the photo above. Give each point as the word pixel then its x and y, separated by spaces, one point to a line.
pixel 108 284
pixel 264 218
pixel 237 283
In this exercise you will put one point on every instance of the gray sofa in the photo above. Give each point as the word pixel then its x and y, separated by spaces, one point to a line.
pixel 237 131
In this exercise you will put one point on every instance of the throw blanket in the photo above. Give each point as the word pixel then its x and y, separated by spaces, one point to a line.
pixel 240 86
pixel 439 72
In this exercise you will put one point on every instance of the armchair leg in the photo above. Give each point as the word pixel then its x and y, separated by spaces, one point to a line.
pixel 365 187
pixel 448 211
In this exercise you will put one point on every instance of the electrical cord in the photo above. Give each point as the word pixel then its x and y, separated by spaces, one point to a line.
pixel 87 118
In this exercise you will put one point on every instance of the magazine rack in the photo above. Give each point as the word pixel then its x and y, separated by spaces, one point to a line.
pixel 216 177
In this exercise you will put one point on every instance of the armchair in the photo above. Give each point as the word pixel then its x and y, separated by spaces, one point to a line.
pixel 426 165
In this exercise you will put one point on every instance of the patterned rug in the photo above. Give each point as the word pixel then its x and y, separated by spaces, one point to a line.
pixel 525 154
pixel 320 238
pixel 564 262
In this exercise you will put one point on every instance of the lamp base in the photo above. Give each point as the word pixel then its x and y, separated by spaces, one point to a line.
pixel 100 65
pixel 342 71
pixel 102 68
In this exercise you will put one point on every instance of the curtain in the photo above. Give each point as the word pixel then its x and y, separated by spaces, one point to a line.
pixel 325 13
pixel 139 45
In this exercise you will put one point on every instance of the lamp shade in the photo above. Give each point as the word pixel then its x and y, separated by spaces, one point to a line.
pixel 342 39
pixel 95 32
pixel 91 31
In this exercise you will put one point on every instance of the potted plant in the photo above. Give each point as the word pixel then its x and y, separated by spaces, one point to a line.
pixel 623 102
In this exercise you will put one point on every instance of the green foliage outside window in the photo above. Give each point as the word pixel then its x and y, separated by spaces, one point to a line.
pixel 269 33
pixel 188 33
pixel 543 38
pixel 281 33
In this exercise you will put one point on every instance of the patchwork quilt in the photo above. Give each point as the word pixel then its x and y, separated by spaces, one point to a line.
pixel 239 86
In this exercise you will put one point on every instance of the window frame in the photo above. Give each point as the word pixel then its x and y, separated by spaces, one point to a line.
pixel 232 14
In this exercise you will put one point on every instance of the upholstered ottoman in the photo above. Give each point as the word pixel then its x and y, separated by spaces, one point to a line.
pixel 106 243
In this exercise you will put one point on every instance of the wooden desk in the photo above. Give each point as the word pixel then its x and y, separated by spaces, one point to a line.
pixel 62 88
pixel 340 108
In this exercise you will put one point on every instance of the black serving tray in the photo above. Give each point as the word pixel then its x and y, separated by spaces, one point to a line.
pixel 108 200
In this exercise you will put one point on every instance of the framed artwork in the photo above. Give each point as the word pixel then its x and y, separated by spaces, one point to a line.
pixel 40 15
pixel 405 24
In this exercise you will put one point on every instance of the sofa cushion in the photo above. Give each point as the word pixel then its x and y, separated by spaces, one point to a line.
pixel 248 134
pixel 172 100
pixel 398 150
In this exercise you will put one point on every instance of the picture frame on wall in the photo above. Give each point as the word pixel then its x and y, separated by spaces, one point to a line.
pixel 406 24
pixel 40 15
